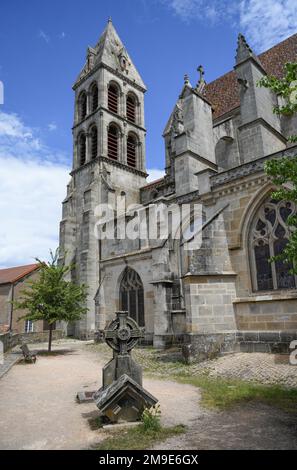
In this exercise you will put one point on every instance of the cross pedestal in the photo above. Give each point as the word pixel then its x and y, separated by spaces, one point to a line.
pixel 122 396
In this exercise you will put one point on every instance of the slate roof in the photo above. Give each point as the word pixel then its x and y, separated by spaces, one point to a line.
pixel 11 275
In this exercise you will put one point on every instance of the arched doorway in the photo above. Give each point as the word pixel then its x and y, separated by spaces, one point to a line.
pixel 131 295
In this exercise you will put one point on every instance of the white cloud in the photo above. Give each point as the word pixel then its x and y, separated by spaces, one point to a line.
pixel 32 186
pixel 52 126
pixel 154 174
pixel 44 36
pixel 264 22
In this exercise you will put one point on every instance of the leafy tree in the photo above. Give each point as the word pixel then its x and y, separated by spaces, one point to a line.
pixel 51 297
pixel 284 171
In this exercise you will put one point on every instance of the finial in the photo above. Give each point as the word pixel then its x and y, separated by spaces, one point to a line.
pixel 244 51
pixel 109 20
pixel 186 79
pixel 201 82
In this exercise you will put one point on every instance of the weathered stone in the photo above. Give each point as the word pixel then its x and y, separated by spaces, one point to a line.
pixel 122 397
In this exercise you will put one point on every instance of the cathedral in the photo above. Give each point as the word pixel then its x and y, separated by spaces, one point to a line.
pixel 225 294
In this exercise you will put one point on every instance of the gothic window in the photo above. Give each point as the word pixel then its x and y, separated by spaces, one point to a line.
pixel 113 98
pixel 82 103
pixel 113 142
pixel 94 142
pixel 82 149
pixel 131 108
pixel 94 97
pixel 131 295
pixel 131 150
pixel 269 236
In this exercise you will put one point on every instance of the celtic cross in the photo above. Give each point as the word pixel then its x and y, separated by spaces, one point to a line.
pixel 123 333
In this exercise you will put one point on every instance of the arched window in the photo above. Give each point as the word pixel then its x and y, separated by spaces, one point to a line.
pixel 113 142
pixel 113 98
pixel 82 103
pixel 268 238
pixel 94 97
pixel 82 149
pixel 131 108
pixel 131 295
pixel 94 142
pixel 131 150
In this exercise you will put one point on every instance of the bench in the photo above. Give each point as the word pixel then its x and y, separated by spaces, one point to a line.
pixel 28 355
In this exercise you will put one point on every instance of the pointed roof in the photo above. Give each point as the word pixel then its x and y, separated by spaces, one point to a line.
pixel 111 52
pixel 11 275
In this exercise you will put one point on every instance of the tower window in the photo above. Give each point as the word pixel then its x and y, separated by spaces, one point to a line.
pixel 112 142
pixel 113 98
pixel 82 105
pixel 131 108
pixel 94 97
pixel 82 149
pixel 131 150
pixel 94 142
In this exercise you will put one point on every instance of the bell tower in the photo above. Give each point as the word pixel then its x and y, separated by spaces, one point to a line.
pixel 108 157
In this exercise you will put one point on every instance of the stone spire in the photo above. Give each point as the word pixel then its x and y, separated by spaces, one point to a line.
pixel 111 52
pixel 244 51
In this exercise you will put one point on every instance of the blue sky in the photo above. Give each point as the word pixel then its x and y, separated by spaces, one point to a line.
pixel 42 49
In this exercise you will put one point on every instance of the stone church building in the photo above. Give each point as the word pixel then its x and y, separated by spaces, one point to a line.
pixel 224 294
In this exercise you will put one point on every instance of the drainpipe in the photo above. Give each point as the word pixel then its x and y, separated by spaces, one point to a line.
pixel 11 306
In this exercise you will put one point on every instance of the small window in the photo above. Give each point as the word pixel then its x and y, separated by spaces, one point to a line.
pixel 82 105
pixel 94 97
pixel 28 326
pixel 131 108
pixel 82 149
pixel 113 98
pixel 131 151
pixel 112 142
pixel 94 142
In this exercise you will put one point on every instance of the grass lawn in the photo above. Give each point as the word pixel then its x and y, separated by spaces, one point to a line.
pixel 223 393
pixel 138 438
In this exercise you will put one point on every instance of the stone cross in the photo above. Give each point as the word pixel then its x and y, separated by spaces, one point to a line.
pixel 123 334
pixel 122 397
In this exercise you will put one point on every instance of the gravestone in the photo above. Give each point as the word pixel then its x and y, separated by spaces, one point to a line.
pixel 122 397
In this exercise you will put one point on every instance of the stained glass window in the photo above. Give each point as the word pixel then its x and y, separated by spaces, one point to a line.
pixel 269 236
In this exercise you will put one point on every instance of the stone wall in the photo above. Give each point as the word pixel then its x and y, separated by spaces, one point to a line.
pixel 10 340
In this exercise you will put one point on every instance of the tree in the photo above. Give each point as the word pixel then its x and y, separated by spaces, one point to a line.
pixel 284 171
pixel 51 297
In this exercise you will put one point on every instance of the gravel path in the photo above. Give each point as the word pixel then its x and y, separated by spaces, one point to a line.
pixel 38 408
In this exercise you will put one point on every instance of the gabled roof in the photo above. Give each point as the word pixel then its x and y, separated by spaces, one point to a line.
pixel 11 275
pixel 108 51
pixel 223 93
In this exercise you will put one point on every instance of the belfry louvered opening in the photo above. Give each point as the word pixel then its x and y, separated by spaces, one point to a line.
pixel 131 108
pixel 113 98
pixel 82 149
pixel 94 97
pixel 94 142
pixel 82 105
pixel 113 142
pixel 131 150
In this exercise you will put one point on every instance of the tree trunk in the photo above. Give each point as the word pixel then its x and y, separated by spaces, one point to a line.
pixel 50 337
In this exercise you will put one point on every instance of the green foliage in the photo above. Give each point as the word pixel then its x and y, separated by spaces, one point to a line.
pixel 285 87
pixel 151 418
pixel 51 297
